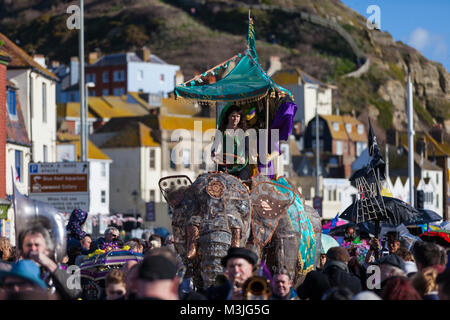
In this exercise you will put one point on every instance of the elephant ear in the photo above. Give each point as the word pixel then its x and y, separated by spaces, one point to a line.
pixel 173 189
pixel 270 202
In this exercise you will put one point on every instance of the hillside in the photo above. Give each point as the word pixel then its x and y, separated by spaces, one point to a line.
pixel 323 37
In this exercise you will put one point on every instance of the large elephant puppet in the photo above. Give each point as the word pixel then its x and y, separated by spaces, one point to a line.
pixel 219 211
pixel 286 234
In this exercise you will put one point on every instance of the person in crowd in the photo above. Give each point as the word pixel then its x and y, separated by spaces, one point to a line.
pixel 73 253
pixel 131 273
pixel 282 286
pixel 110 236
pixel 239 264
pixel 322 261
pixel 427 254
pixel 408 259
pixel 350 234
pixel 115 285
pixel 399 288
pixel 135 245
pixel 24 275
pixel 425 283
pixel 6 250
pixel 366 295
pixel 443 282
pixel 390 266
pixel 338 293
pixel 157 279
pixel 314 286
pixel 85 243
pixel 155 241
pixel 356 268
pixel 74 227
pixel 35 244
pixel 336 269
pixel 393 241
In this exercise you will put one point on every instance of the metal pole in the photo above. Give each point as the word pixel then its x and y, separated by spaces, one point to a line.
pixel 410 141
pixel 317 152
pixel 82 85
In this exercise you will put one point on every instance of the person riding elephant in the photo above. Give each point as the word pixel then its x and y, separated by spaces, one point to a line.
pixel 234 143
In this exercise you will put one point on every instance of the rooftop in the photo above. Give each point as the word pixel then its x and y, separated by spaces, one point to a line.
pixel 21 59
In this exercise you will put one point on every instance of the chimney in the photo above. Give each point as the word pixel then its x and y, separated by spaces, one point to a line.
pixel 274 65
pixel 179 78
pixel 74 70
pixel 39 58
pixel 144 53
pixel 93 57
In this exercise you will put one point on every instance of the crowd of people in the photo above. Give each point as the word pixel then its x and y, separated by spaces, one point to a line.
pixel 29 271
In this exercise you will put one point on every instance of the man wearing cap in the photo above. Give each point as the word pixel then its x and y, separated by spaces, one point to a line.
pixel 23 276
pixel 157 279
pixel 239 264
pixel 390 266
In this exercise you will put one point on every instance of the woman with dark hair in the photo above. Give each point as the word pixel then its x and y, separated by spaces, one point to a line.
pixel 399 288
pixel 233 161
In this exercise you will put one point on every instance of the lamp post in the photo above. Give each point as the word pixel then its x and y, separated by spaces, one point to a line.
pixel 135 194
pixel 81 84
pixel 85 125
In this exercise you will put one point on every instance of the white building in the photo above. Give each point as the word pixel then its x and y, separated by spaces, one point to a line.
pixel 309 93
pixel 338 194
pixel 37 98
pixel 68 149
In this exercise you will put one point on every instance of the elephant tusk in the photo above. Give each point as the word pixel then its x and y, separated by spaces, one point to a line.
pixel 193 234
pixel 235 237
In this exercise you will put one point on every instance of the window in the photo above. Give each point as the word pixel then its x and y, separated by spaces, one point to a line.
pixel 44 102
pixel 152 195
pixel 44 153
pixel 437 201
pixel 105 92
pixel 437 178
pixel 360 129
pixel 18 164
pixel 339 148
pixel 103 196
pixel 161 77
pixel 140 75
pixel 103 170
pixel 11 102
pixel 360 146
pixel 119 91
pixel 90 77
pixel 119 75
pixel 336 126
pixel 348 127
pixel 152 159
pixel 105 77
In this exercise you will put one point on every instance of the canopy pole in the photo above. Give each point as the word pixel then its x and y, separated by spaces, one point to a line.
pixel 267 131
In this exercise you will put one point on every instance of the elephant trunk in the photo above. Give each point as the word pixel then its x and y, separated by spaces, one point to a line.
pixel 193 234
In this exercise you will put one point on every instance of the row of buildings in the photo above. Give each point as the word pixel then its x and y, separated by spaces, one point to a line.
pixel 134 131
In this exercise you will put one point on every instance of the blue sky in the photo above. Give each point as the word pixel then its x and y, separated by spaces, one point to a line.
pixel 422 24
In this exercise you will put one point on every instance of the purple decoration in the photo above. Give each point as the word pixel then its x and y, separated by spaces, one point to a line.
pixel 283 121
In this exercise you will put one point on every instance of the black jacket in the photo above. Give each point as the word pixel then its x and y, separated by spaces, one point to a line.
pixel 339 276
pixel 218 292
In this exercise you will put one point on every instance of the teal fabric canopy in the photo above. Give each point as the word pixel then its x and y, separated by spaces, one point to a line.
pixel 246 81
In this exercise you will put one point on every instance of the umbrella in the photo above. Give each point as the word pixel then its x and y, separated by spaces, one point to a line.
pixel 328 242
pixel 397 211
pixel 440 237
pixel 425 216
